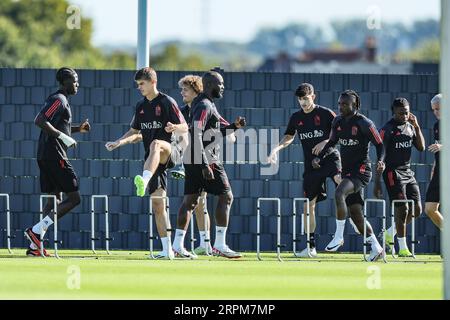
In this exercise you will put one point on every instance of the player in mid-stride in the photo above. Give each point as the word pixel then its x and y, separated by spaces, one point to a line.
pixel 399 135
pixel 353 131
pixel 56 173
pixel 312 123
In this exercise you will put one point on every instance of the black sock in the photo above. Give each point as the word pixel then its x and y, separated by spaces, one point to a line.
pixel 312 242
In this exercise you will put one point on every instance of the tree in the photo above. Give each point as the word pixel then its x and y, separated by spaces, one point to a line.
pixel 34 33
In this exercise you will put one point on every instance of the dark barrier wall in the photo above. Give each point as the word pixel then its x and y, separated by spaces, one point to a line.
pixel 107 99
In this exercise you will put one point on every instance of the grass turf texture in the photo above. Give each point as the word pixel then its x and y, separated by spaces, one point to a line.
pixel 131 275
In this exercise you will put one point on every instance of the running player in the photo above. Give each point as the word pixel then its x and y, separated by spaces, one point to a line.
pixel 399 135
pixel 204 171
pixel 432 198
pixel 353 131
pixel 164 134
pixel 191 86
pixel 313 126
pixel 56 173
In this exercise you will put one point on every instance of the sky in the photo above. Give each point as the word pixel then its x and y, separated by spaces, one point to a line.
pixel 115 21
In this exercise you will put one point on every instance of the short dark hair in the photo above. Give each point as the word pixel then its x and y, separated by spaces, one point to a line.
pixel 351 93
pixel 64 73
pixel 304 89
pixel 146 73
pixel 399 102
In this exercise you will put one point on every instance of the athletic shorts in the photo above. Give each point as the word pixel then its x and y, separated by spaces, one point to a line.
pixel 195 183
pixel 159 179
pixel 401 184
pixel 360 177
pixel 314 180
pixel 57 176
pixel 433 191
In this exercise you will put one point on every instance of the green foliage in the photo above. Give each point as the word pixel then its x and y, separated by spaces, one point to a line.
pixel 171 59
pixel 426 51
pixel 34 33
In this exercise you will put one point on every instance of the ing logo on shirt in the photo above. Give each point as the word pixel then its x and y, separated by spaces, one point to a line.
pixel 151 125
pixel 348 142
pixel 311 134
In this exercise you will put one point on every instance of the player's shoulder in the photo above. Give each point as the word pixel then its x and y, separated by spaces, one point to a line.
pixel 325 110
pixel 363 120
pixel 58 96
pixel 166 99
pixel 389 125
pixel 202 101
pixel 339 118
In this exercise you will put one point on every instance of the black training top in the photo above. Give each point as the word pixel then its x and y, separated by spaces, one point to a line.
pixel 312 128
pixel 151 117
pixel 57 112
pixel 398 140
pixel 436 140
pixel 186 111
pixel 206 117
pixel 354 135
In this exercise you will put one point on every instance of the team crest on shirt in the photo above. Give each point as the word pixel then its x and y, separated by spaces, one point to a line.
pixel 142 111
pixel 157 110
pixel 317 120
pixel 339 128
pixel 300 123
pixel 354 130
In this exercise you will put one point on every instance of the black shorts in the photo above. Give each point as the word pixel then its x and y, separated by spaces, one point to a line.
pixel 433 191
pixel 360 177
pixel 57 176
pixel 159 178
pixel 401 184
pixel 314 180
pixel 194 182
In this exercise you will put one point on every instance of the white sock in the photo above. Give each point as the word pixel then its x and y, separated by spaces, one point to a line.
pixel 178 241
pixel 147 175
pixel 392 230
pixel 340 225
pixel 374 242
pixel 220 237
pixel 42 225
pixel 202 238
pixel 165 244
pixel 402 243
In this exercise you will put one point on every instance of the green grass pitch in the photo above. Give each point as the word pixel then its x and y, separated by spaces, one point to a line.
pixel 131 275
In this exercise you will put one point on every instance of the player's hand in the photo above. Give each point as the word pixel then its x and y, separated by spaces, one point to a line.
pixel 436 147
pixel 316 163
pixel 111 145
pixel 240 122
pixel 85 126
pixel 380 166
pixel 377 191
pixel 170 127
pixel 208 173
pixel 272 158
pixel 413 120
pixel 319 147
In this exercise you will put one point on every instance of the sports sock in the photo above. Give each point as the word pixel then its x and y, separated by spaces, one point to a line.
pixel 43 224
pixel 340 225
pixel 178 241
pixel 202 238
pixel 220 237
pixel 402 243
pixel 165 244
pixel 312 242
pixel 392 230
pixel 375 245
pixel 147 175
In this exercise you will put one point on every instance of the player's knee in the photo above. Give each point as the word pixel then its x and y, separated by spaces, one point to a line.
pixel 155 145
pixel 417 210
pixel 228 198
pixel 340 194
pixel 158 205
